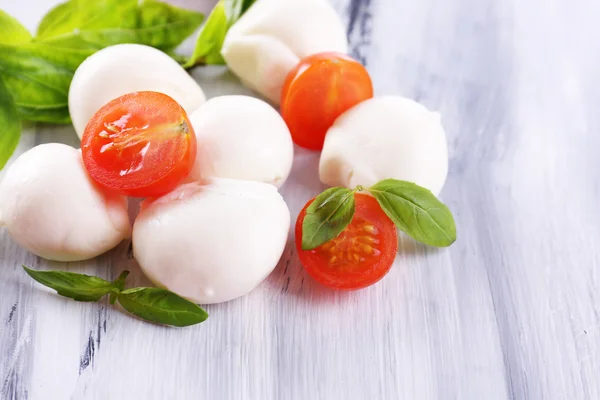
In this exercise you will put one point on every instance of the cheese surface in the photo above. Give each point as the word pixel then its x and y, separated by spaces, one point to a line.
pixel 212 242
pixel 241 137
pixel 385 137
pixel 53 209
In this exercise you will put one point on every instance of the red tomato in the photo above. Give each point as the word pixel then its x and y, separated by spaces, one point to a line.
pixel 140 145
pixel 360 256
pixel 317 91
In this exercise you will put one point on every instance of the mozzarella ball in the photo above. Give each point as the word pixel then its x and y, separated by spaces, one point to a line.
pixel 212 242
pixel 125 68
pixel 241 137
pixel 273 35
pixel 385 137
pixel 51 207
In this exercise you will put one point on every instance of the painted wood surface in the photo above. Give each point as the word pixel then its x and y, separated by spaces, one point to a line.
pixel 511 311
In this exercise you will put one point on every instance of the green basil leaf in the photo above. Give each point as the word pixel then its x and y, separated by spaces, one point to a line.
pixel 10 123
pixel 54 19
pixel 38 77
pixel 161 306
pixel 79 287
pixel 69 19
pixel 416 212
pixel 327 216
pixel 164 26
pixel 12 31
pixel 211 37
pixel 101 23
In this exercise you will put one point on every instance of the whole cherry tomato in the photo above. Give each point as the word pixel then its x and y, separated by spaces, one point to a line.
pixel 317 91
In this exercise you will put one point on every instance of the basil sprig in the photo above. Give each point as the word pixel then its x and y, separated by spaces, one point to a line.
pixel 152 304
pixel 413 209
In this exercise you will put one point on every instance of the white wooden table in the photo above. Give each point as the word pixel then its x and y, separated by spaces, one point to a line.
pixel 511 311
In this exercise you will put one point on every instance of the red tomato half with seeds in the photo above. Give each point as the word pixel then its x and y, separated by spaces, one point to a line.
pixel 140 145
pixel 359 256
pixel 317 91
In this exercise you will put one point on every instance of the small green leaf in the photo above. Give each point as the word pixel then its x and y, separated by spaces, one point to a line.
pixel 416 212
pixel 327 216
pixel 211 37
pixel 12 32
pixel 161 306
pixel 79 287
pixel 10 124
pixel 119 283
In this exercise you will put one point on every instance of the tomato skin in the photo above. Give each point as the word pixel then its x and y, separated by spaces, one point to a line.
pixel 141 144
pixel 317 91
pixel 372 228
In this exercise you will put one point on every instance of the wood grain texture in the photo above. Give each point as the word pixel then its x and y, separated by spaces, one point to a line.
pixel 510 311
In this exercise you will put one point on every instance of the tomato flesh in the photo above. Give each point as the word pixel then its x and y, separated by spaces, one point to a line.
pixel 317 91
pixel 140 145
pixel 359 256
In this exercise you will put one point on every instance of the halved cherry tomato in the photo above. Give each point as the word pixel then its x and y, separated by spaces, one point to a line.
pixel 317 91
pixel 140 145
pixel 360 256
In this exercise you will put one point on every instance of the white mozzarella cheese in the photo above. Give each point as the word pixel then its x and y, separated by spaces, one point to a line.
pixel 51 207
pixel 240 137
pixel 385 137
pixel 212 242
